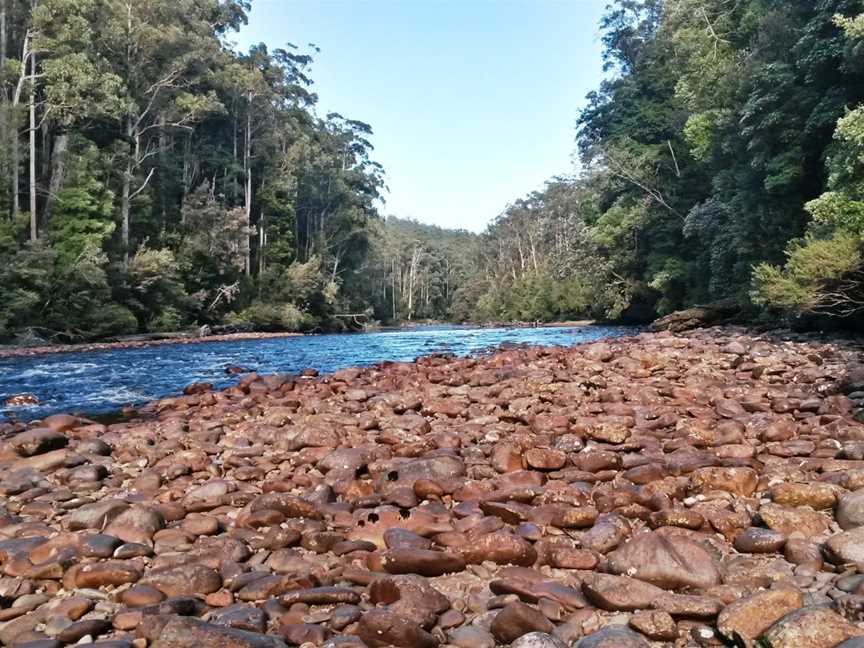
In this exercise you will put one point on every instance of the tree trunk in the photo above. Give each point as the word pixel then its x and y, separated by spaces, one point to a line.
pixel 262 240
pixel 16 155
pixel 58 171
pixel 247 164
pixel 126 198
pixel 4 100
pixel 34 231
pixel 393 277
pixel 16 143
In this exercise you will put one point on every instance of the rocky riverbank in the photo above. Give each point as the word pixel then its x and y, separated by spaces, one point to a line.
pixel 10 351
pixel 704 489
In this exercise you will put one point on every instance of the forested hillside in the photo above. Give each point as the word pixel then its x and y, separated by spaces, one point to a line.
pixel 154 178
pixel 728 137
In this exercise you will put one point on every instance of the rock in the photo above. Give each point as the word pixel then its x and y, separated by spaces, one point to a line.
pixel 846 547
pixel 379 628
pixel 185 632
pixel 545 459
pixel 517 619
pixel 538 640
pixel 608 532
pixel 96 515
pixel 850 510
pixel 184 580
pixel 321 596
pixel 422 561
pixel 500 547
pixel 657 626
pixel 113 573
pixel 739 481
pixel 37 441
pixel 747 619
pixel 411 597
pixel 758 540
pixel 668 562
pixel 22 400
pixel 471 637
pixel 81 629
pixel 620 593
pixel 801 520
pixel 815 495
pixel 137 524
pixel 613 637
pixel 810 627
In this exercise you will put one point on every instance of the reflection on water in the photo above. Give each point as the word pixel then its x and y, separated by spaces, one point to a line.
pixel 104 381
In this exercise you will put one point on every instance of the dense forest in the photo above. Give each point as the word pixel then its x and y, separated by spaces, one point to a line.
pixel 723 157
pixel 154 178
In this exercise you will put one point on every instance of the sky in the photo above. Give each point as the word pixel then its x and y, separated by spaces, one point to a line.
pixel 473 102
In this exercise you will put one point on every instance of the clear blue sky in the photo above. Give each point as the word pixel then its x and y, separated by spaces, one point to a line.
pixel 473 102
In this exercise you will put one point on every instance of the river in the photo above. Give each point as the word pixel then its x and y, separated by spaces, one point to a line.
pixel 100 382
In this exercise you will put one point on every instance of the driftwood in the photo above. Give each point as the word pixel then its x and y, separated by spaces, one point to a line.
pixel 719 312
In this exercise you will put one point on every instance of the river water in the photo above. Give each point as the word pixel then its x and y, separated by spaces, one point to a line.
pixel 99 382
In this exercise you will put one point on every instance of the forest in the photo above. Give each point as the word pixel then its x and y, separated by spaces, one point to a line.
pixel 153 178
pixel 722 158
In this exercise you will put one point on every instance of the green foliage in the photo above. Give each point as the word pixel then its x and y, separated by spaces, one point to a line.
pixel 819 276
pixel 181 182
pixel 273 317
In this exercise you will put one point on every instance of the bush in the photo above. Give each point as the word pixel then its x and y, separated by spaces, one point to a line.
pixel 819 276
pixel 112 319
pixel 272 317
pixel 168 320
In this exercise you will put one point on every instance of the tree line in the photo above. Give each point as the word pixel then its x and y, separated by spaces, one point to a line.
pixel 722 157
pixel 154 178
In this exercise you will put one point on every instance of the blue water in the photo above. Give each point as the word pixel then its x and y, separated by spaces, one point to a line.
pixel 99 382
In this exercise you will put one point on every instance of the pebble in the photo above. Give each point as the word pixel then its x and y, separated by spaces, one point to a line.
pixel 691 489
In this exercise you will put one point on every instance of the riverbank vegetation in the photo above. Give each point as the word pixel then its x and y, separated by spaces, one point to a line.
pixel 723 157
pixel 156 179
